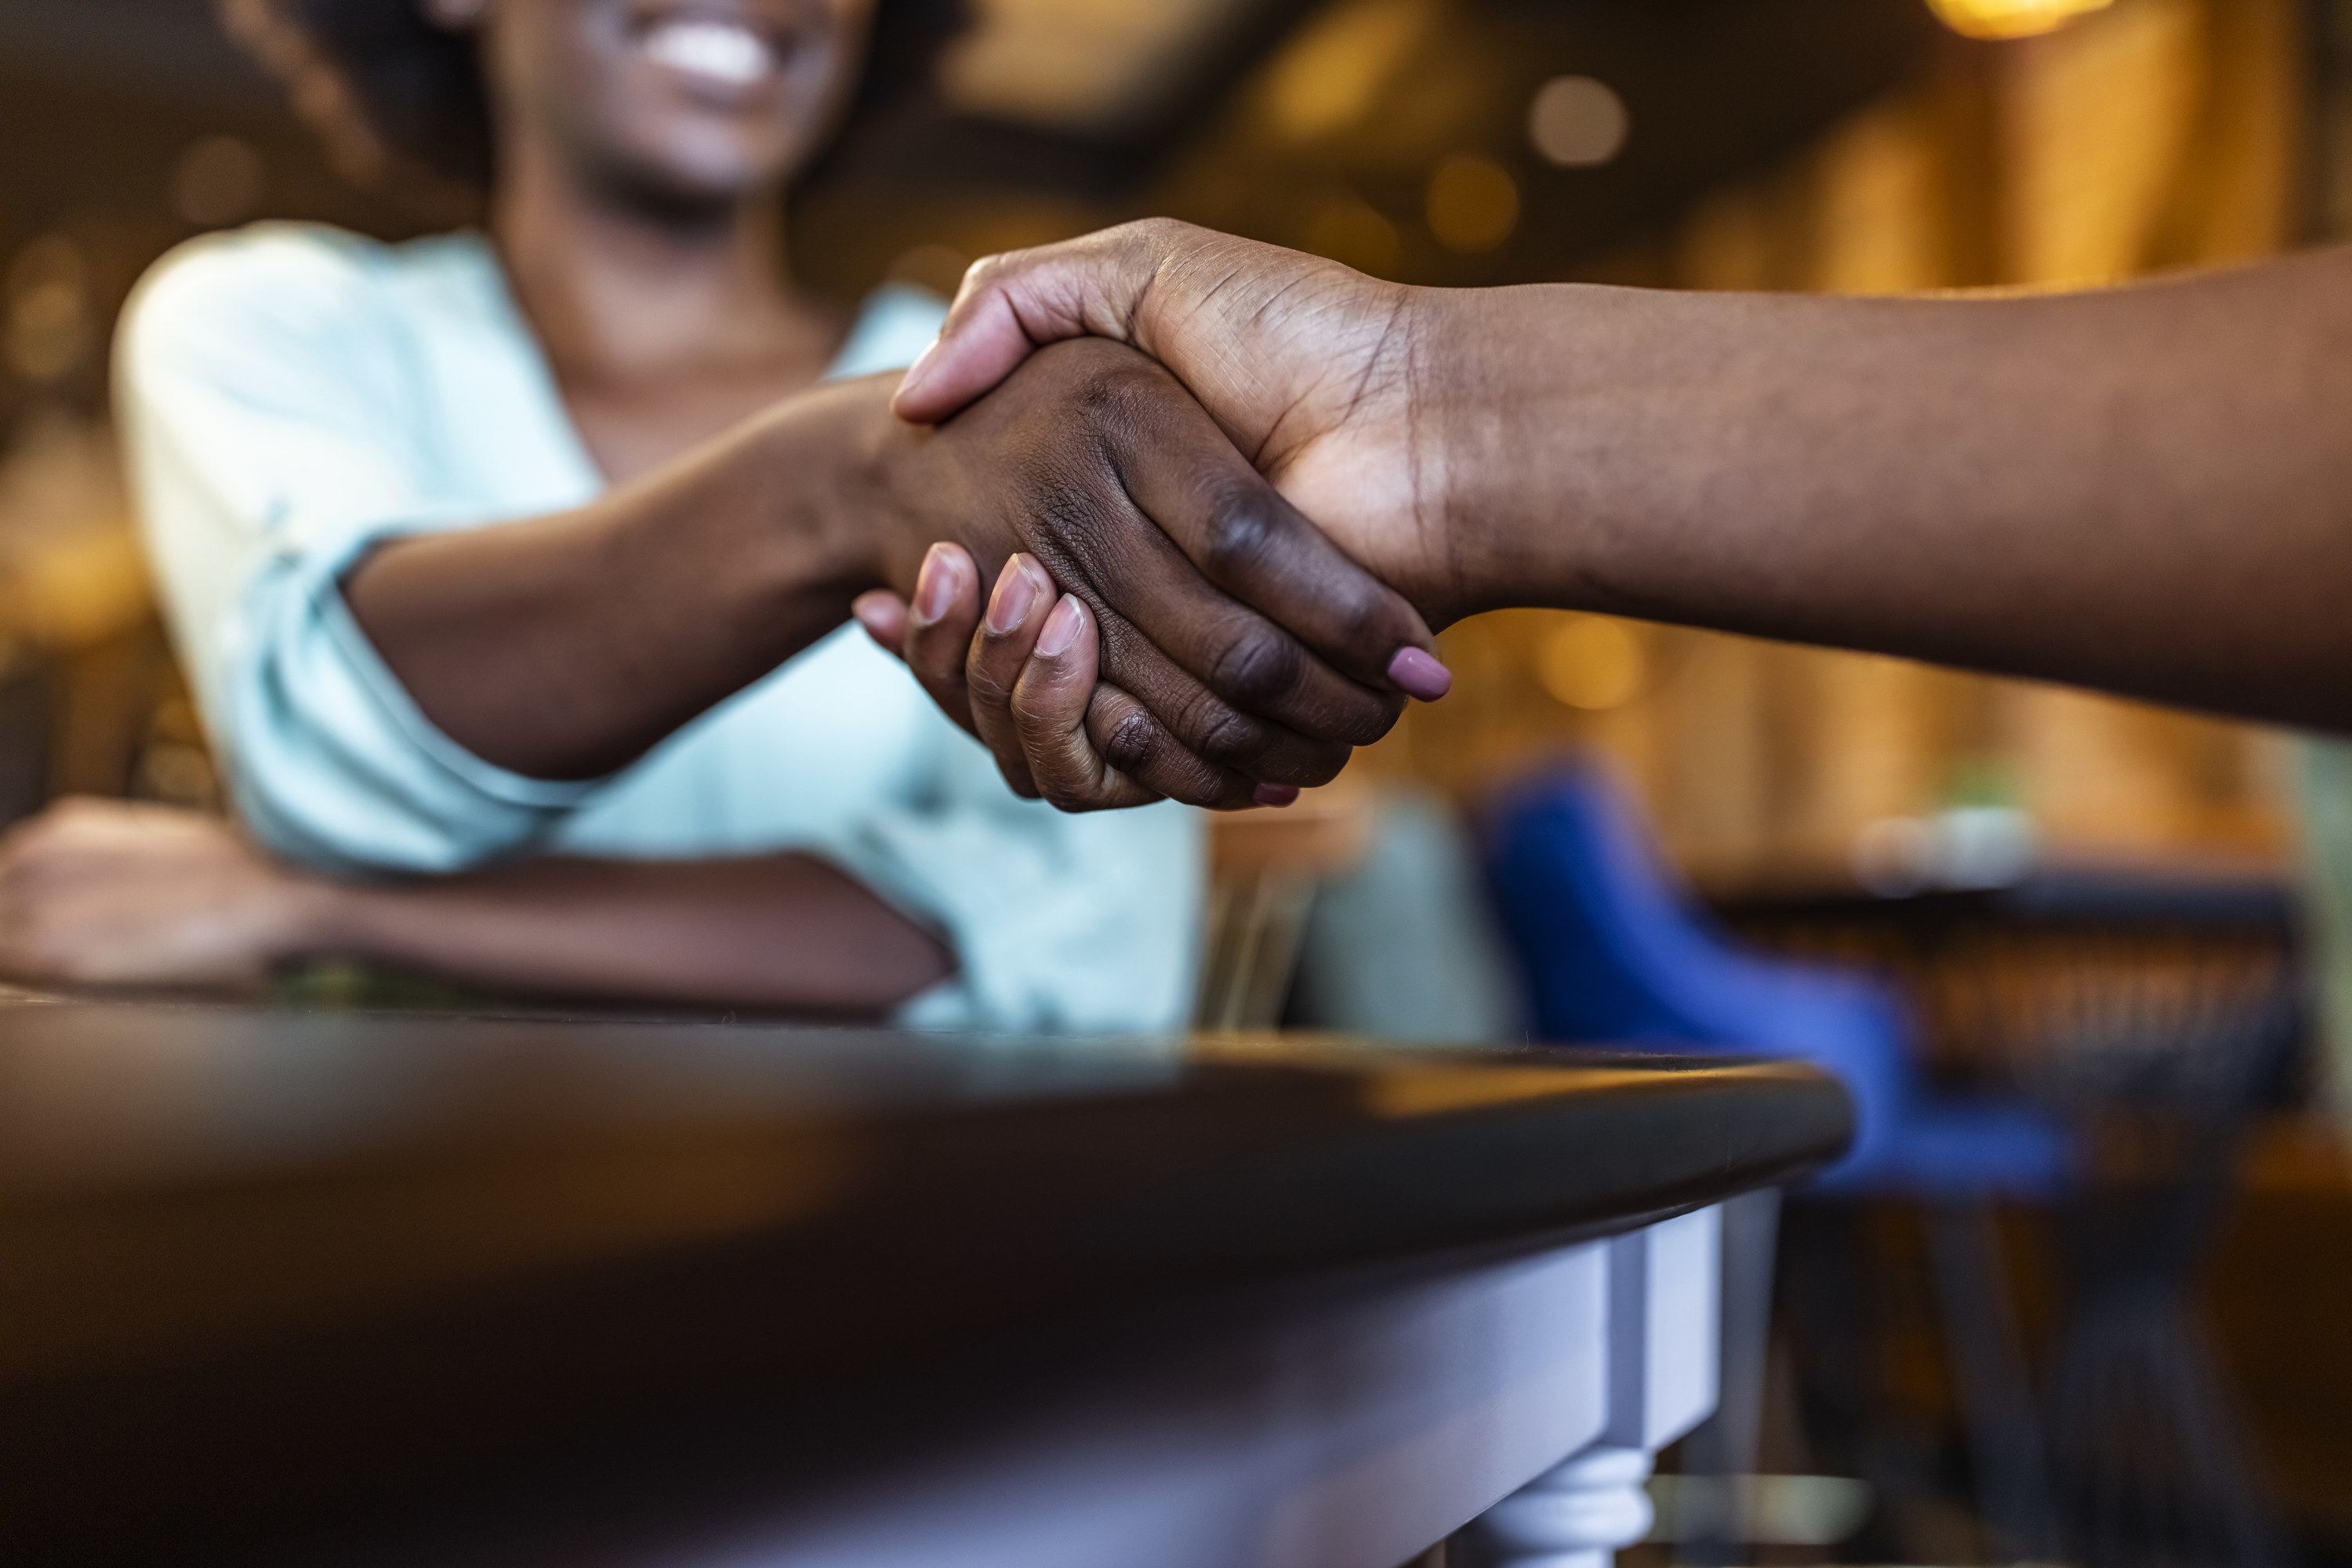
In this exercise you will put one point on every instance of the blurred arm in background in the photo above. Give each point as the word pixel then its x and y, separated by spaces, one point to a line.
pixel 105 893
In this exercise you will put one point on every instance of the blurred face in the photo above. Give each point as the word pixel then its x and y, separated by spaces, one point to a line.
pixel 692 101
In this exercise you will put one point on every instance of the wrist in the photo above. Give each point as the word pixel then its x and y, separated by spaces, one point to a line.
pixel 1469 437
pixel 828 526
pixel 884 527
pixel 1526 417
pixel 304 916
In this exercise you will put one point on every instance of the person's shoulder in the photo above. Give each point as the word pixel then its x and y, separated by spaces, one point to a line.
pixel 896 322
pixel 274 282
pixel 265 266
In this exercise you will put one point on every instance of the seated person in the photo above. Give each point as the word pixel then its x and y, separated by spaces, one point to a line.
pixel 529 555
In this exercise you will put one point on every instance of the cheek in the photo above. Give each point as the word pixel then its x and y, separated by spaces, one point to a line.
pixel 567 66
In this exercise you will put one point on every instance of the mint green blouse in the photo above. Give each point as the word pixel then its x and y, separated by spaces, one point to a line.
pixel 290 395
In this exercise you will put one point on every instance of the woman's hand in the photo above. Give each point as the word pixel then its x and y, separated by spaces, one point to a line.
pixel 1322 376
pixel 1024 684
pixel 108 893
pixel 1239 647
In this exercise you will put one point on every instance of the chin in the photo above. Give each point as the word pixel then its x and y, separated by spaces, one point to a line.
pixel 698 173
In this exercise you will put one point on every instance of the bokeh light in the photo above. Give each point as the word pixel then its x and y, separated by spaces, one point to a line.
pixel 2010 19
pixel 1578 121
pixel 1354 233
pixel 1473 205
pixel 218 181
pixel 49 322
pixel 1331 76
pixel 936 267
pixel 1591 662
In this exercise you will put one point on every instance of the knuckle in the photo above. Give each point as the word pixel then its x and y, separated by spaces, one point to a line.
pixel 985 686
pixel 1134 741
pixel 1200 787
pixel 1368 613
pixel 1221 735
pixel 1364 720
pixel 1067 794
pixel 1159 234
pixel 1319 766
pixel 1256 668
pixel 988 270
pixel 1243 530
pixel 1115 388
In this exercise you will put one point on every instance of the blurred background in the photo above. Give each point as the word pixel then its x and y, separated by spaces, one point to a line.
pixel 2075 894
pixel 1843 145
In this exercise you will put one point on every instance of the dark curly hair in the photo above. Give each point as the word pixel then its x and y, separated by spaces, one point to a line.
pixel 392 93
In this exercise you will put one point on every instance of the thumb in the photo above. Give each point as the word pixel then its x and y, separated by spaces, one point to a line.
pixel 1013 304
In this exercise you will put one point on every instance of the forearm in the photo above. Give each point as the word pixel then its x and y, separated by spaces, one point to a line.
pixel 2147 490
pixel 784 932
pixel 564 646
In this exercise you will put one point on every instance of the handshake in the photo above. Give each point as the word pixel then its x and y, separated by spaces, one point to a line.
pixel 1216 528
pixel 1229 562
pixel 1169 513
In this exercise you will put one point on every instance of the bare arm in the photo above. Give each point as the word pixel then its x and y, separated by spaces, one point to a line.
pixel 98 892
pixel 563 646
pixel 566 645
pixel 2145 490
pixel 781 932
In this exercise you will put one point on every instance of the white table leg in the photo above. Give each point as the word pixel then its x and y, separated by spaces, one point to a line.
pixel 1662 1289
pixel 1575 1515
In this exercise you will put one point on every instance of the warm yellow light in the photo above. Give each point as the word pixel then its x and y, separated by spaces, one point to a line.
pixel 1331 75
pixel 1351 231
pixel 2010 19
pixel 1591 662
pixel 1473 203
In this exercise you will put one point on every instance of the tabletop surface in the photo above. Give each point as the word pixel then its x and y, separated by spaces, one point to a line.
pixel 245 1249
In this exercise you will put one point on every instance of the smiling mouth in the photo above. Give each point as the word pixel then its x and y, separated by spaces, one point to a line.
pixel 726 53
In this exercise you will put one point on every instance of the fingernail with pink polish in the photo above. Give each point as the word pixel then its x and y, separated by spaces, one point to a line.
pixel 1016 591
pixel 1062 627
pixel 1274 794
pixel 934 585
pixel 1417 674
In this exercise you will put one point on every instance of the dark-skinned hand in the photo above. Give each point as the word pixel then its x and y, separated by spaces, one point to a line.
pixel 1241 653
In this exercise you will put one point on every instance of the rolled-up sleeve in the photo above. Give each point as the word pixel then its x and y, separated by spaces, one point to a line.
pixel 1078 923
pixel 270 419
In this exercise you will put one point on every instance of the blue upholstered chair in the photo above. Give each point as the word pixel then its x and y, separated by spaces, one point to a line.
pixel 1615 952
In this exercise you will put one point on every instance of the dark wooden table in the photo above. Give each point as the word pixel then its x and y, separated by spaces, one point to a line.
pixel 287 1288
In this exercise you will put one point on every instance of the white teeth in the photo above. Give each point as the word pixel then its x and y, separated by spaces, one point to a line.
pixel 719 50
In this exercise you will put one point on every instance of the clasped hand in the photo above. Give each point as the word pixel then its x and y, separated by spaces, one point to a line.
pixel 1145 609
